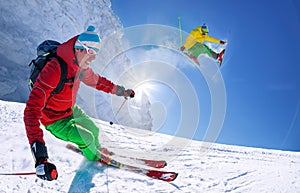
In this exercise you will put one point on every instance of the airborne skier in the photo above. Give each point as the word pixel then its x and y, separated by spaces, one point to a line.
pixel 194 45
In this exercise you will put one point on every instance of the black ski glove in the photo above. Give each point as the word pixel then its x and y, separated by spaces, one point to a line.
pixel 222 42
pixel 44 169
pixel 126 93
pixel 129 93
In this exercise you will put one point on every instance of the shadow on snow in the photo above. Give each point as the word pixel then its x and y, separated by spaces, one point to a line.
pixel 82 181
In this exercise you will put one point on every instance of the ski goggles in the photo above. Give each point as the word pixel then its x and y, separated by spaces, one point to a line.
pixel 89 51
pixel 204 30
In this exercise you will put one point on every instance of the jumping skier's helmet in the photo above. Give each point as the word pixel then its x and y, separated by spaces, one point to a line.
pixel 204 29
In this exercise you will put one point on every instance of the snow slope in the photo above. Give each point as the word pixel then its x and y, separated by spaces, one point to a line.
pixel 202 167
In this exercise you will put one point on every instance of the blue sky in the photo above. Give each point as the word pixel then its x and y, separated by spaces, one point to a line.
pixel 261 68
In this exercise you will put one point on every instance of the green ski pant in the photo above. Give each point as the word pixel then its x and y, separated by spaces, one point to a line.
pixel 79 129
pixel 199 48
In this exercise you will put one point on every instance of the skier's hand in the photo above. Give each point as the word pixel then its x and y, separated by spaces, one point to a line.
pixel 182 48
pixel 129 93
pixel 222 42
pixel 120 91
pixel 46 171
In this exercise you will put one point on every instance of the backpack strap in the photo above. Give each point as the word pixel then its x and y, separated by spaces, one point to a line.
pixel 63 76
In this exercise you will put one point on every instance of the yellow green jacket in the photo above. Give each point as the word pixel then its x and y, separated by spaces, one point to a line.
pixel 197 36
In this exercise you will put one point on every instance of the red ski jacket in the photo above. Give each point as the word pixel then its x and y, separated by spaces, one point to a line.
pixel 40 107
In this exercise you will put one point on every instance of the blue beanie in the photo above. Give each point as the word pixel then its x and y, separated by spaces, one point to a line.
pixel 89 38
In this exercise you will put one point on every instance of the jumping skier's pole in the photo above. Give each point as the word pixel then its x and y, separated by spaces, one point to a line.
pixel 180 31
pixel 121 106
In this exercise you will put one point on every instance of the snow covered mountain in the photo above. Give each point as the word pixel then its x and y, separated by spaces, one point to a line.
pixel 36 21
pixel 202 167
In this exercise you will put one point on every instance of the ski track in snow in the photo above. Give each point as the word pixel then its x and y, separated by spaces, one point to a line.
pixel 202 167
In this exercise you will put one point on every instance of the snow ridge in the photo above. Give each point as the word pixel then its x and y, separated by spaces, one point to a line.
pixel 202 167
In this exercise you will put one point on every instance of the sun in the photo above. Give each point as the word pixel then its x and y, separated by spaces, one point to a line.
pixel 150 88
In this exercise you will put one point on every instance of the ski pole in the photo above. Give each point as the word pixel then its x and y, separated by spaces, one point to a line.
pixel 121 106
pixel 18 174
pixel 180 31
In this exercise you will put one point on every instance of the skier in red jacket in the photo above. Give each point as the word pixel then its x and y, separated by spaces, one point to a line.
pixel 59 113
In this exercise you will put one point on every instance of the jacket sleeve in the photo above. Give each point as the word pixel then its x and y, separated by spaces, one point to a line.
pixel 46 82
pixel 94 80
pixel 212 39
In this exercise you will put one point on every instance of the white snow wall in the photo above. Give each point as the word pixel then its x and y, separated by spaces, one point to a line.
pixel 24 24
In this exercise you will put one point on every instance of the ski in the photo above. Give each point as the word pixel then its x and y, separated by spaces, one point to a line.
pixel 155 174
pixel 188 56
pixel 220 58
pixel 147 162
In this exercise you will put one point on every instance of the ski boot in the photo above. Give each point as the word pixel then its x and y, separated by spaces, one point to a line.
pixel 109 161
pixel 105 151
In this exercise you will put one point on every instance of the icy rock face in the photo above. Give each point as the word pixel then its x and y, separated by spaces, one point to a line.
pixel 25 24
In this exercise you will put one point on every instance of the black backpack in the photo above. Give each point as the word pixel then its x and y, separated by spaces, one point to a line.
pixel 45 52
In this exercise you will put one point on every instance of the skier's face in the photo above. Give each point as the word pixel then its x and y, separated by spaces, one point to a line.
pixel 83 58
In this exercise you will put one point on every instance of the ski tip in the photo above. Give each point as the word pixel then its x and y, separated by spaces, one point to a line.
pixel 71 147
pixel 165 164
pixel 175 176
pixel 68 145
pixel 223 51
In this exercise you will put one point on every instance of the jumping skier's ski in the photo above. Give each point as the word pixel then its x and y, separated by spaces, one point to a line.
pixel 195 60
pixel 220 57
pixel 155 174
pixel 150 163
pixel 190 57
